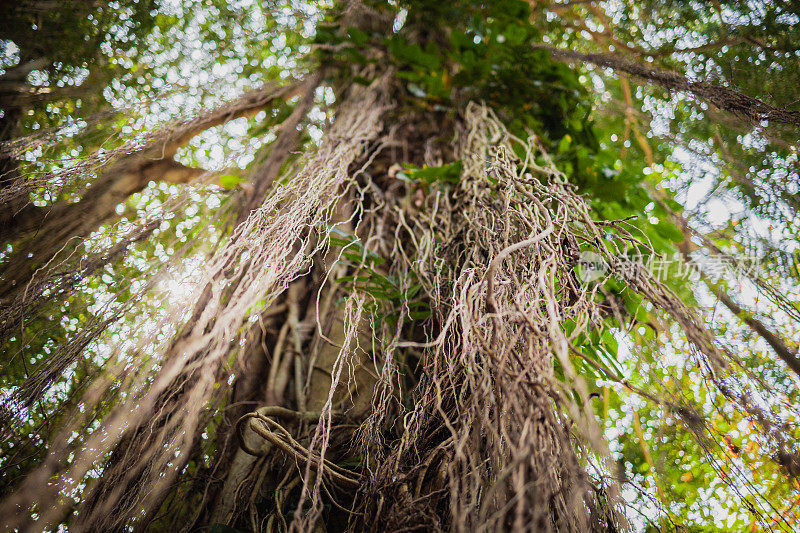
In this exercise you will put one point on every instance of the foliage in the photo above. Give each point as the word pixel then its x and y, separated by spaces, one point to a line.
pixel 651 164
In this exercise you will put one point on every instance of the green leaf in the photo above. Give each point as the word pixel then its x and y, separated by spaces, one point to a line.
pixel 419 315
pixel 230 181
pixel 669 231
pixel 563 144
pixel 357 36
pixel 428 175
pixel 515 34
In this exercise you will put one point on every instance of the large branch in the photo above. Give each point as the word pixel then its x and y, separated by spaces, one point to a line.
pixel 131 172
pixel 67 222
pixel 778 345
pixel 280 149
pixel 752 109
pixel 245 106
pixel 20 71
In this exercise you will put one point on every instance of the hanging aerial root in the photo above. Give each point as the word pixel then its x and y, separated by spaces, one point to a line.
pixel 153 431
pixel 277 435
pixel 501 432
pixel 491 434
pixel 498 432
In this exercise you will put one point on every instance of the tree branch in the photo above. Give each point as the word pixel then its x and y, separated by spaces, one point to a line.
pixel 131 172
pixel 171 171
pixel 281 148
pixel 778 345
pixel 67 222
pixel 752 109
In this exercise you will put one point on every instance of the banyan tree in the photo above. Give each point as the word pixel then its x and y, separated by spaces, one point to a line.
pixel 399 266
